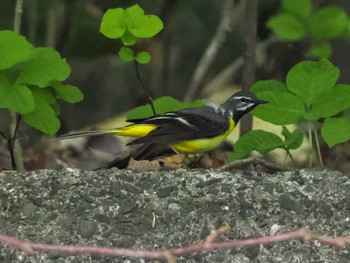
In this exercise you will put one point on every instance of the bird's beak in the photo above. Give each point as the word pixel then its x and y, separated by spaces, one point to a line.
pixel 262 101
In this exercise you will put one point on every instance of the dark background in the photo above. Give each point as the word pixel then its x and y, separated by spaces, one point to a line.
pixel 110 86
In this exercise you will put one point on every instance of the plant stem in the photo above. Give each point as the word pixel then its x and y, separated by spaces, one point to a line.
pixel 148 93
pixel 13 143
pixel 10 148
pixel 318 148
pixel 311 144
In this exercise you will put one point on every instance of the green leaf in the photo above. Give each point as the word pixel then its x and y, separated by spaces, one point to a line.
pixel 293 140
pixel 141 25
pixel 47 94
pixel 162 105
pixel 335 131
pixel 330 103
pixel 263 142
pixel 69 93
pixel 128 38
pixel 320 50
pixel 274 86
pixel 113 24
pixel 14 49
pixel 308 79
pixel 143 57
pixel 283 108
pixel 129 24
pixel 287 27
pixel 259 140
pixel 56 107
pixel 43 117
pixel 15 97
pixel 126 54
pixel 44 65
pixel 328 22
pixel 300 8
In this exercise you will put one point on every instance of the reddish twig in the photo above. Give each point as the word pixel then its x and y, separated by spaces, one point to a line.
pixel 214 234
pixel 169 255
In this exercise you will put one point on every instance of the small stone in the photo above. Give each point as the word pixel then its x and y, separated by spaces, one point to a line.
pixel 288 203
pixel 165 192
pixel 127 207
pixel 28 209
pixel 87 228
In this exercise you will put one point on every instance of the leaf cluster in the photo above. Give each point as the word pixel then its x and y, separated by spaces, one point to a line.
pixel 298 20
pixel 130 24
pixel 311 94
pixel 31 82
pixel 264 141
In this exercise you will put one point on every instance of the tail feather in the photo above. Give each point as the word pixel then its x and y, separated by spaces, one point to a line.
pixel 88 133
pixel 133 130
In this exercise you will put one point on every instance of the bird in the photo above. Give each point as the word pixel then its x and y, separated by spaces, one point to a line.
pixel 187 131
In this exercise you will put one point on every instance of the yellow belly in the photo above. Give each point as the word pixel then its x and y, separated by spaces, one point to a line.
pixel 201 145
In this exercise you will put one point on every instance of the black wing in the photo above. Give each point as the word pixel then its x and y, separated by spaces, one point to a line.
pixel 187 124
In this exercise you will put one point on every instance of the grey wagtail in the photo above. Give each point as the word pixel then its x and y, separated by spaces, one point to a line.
pixel 188 131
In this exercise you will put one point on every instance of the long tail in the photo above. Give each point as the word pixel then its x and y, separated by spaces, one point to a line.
pixel 133 130
pixel 88 133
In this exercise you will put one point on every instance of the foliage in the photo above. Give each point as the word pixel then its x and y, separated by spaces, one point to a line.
pixel 263 142
pixel 162 105
pixel 304 96
pixel 298 20
pixel 311 94
pixel 30 82
pixel 130 24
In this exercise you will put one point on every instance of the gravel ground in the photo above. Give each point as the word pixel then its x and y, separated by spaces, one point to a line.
pixel 159 210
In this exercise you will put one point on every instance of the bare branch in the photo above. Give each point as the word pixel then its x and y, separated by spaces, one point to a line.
pixel 229 17
pixel 254 161
pixel 170 255
pixel 224 77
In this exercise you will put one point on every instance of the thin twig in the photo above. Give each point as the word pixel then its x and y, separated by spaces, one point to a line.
pixel 148 93
pixel 13 144
pixel 169 255
pixel 255 161
pixel 215 233
pixel 229 17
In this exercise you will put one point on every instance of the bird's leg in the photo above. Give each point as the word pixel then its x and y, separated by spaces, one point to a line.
pixel 192 160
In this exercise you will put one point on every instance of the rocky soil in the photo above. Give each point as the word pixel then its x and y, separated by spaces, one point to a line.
pixel 168 209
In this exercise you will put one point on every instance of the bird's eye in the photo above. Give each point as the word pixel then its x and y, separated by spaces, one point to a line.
pixel 244 100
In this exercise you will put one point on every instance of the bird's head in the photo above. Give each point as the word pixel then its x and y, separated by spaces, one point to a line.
pixel 241 103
